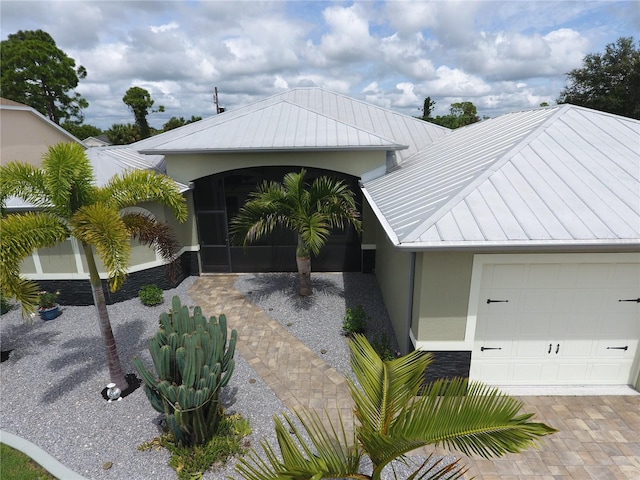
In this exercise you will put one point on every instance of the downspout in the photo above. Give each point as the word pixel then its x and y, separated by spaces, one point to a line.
pixel 412 276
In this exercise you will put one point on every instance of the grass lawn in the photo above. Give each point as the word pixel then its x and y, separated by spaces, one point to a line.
pixel 17 466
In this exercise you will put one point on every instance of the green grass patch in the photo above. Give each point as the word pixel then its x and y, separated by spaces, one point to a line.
pixel 191 462
pixel 18 466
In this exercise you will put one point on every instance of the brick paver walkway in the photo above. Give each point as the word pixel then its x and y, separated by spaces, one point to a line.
pixel 293 371
pixel 599 436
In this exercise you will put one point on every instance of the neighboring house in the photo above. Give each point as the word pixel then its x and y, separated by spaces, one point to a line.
pixel 99 141
pixel 511 248
pixel 26 134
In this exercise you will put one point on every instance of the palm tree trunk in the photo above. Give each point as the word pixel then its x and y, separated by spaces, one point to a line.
pixel 303 259
pixel 115 368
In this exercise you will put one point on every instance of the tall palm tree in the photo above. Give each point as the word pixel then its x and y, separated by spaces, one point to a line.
pixel 68 203
pixel 308 210
pixel 396 414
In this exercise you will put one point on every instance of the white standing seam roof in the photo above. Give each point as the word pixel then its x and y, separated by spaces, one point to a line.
pixel 562 175
pixel 299 119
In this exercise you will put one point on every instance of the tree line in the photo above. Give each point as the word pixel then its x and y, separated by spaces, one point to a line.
pixel 37 73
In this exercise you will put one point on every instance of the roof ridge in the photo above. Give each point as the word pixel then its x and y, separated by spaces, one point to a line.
pixel 422 227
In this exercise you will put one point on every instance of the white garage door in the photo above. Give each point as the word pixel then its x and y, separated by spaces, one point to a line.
pixel 557 323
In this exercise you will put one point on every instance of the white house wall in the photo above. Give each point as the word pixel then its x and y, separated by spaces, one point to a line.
pixel 187 168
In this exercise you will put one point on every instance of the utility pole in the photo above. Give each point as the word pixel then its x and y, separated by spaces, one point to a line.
pixel 219 109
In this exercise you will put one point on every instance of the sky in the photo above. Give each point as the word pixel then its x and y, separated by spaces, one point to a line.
pixel 502 56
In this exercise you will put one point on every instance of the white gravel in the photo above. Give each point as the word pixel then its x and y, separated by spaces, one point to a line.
pixel 51 384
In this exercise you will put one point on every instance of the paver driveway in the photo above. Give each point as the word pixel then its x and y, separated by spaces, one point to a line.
pixel 598 438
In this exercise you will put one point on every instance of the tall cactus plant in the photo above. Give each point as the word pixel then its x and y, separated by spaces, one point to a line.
pixel 193 362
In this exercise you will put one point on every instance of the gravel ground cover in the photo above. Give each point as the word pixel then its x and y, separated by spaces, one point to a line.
pixel 50 386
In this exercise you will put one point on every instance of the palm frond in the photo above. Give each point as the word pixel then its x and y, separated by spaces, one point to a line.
pixel 24 181
pixel 385 386
pixel 101 226
pixel 136 186
pixel 157 235
pixel 20 235
pixel 332 452
pixel 68 177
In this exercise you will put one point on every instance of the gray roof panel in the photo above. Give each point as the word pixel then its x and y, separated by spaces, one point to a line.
pixel 553 176
pixel 302 118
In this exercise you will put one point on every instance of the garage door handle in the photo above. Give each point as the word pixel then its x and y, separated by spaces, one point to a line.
pixel 625 348
pixel 497 301
pixel 482 349
pixel 637 300
pixel 557 349
pixel 550 347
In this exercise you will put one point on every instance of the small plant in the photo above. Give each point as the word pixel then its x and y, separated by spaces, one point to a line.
pixel 151 295
pixel 191 462
pixel 382 345
pixel 5 305
pixel 354 321
pixel 47 299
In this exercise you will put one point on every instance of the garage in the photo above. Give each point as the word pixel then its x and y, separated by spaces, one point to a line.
pixel 571 319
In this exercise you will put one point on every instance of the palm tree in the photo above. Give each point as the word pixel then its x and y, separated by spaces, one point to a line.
pixel 310 211
pixel 70 204
pixel 396 414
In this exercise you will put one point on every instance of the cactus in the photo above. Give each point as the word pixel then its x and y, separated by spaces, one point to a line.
pixel 193 361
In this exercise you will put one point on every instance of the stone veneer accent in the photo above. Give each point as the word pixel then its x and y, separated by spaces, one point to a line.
pixel 448 364
pixel 78 292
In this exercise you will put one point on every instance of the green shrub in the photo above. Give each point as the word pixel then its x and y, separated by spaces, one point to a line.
pixel 354 321
pixel 382 345
pixel 151 295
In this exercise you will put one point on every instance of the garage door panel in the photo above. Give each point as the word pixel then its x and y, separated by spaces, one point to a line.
pixel 563 323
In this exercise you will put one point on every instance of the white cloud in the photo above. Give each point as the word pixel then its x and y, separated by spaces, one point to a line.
pixel 501 55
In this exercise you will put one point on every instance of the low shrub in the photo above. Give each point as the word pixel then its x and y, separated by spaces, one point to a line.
pixel 382 345
pixel 354 321
pixel 151 295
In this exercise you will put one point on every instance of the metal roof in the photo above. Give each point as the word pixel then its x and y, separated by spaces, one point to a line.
pixel 561 175
pixel 302 118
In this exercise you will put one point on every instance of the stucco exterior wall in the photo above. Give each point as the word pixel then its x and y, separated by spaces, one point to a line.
pixel 25 137
pixel 393 269
pixel 441 298
pixel 187 168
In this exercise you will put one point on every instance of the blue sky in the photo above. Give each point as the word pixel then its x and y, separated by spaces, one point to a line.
pixel 502 56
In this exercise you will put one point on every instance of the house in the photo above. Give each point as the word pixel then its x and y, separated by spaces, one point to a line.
pixel 99 141
pixel 509 248
pixel 26 134
pixel 224 157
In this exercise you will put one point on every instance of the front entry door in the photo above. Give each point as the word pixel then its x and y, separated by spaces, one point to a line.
pixel 214 241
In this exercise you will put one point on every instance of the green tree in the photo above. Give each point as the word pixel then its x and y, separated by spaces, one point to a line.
pixel 396 414
pixel 121 134
pixel 139 101
pixel 609 82
pixel 68 203
pixel 175 122
pixel 427 108
pixel 81 130
pixel 37 73
pixel 460 114
pixel 310 211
